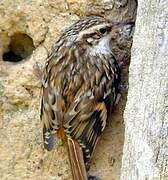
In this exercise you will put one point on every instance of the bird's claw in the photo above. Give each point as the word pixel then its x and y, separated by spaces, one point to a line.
pixel 93 178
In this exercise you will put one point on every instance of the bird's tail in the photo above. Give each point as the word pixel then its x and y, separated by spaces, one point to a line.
pixel 76 160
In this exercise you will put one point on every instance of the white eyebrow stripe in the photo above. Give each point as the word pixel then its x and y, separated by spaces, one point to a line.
pixel 91 29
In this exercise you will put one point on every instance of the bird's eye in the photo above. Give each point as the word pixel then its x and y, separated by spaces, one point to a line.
pixel 102 30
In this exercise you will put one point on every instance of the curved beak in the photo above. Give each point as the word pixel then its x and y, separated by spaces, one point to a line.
pixel 123 23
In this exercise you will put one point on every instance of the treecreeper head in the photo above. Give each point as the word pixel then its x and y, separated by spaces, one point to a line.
pixel 93 33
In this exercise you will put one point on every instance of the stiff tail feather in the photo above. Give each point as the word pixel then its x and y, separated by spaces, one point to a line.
pixel 76 160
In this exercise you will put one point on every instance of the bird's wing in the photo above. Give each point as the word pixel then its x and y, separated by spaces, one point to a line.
pixel 60 84
pixel 52 102
pixel 77 96
pixel 86 117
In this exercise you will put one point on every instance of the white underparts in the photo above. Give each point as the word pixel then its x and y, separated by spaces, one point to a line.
pixel 101 47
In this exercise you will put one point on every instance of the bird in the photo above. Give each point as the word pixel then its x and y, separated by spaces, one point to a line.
pixel 79 90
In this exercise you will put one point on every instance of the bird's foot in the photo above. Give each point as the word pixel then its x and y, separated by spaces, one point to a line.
pixel 93 178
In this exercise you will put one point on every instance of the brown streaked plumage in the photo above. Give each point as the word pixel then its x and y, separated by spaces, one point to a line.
pixel 80 86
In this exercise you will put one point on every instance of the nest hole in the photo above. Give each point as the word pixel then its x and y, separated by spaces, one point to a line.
pixel 21 46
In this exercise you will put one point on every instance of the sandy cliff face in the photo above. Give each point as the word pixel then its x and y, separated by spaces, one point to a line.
pixel 28 29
